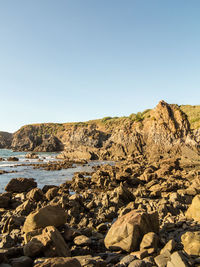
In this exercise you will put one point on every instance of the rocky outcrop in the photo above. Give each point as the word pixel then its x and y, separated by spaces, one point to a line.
pixel 27 139
pixel 162 131
pixel 5 140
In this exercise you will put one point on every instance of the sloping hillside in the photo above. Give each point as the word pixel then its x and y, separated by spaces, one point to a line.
pixel 193 114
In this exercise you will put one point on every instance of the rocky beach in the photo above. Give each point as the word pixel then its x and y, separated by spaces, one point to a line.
pixel 132 198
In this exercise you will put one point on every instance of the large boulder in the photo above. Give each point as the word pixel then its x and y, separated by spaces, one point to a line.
pixel 50 243
pixel 191 243
pixel 127 232
pixel 19 185
pixel 51 215
pixel 193 211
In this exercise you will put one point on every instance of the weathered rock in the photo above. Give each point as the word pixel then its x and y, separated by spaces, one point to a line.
pixel 35 194
pixel 22 261
pixel 162 259
pixel 82 240
pixel 191 243
pixel 50 242
pixel 51 193
pixel 170 246
pixel 177 260
pixel 194 210
pixel 25 208
pixel 47 216
pixel 5 139
pixel 57 262
pixel 126 233
pixel 137 263
pixel 19 185
pixel 149 240
pixel 88 260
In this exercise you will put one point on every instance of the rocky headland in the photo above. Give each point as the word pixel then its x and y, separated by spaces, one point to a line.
pixel 142 211
pixel 5 139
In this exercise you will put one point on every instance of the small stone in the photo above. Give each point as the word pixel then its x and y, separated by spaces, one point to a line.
pixel 82 240
pixel 140 254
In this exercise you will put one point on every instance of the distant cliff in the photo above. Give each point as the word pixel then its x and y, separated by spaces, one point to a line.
pixel 161 131
pixel 5 139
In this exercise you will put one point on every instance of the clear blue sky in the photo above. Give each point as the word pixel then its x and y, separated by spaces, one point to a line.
pixel 77 60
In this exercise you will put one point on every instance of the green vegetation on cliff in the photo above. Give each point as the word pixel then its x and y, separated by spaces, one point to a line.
pixel 193 114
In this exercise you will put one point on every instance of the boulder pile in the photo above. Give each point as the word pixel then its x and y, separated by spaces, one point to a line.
pixel 133 213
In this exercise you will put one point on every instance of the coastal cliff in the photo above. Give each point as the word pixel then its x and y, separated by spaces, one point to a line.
pixel 161 131
pixel 5 139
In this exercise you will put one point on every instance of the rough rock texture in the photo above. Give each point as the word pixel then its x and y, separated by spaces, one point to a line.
pixel 50 243
pixel 5 140
pixel 163 130
pixel 58 262
pixel 126 233
pixel 29 138
pixel 191 243
pixel 47 216
pixel 19 185
pixel 194 210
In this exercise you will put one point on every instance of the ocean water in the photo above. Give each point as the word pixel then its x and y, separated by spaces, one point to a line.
pixel 41 176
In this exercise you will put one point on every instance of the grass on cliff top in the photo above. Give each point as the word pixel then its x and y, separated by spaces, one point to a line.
pixel 193 114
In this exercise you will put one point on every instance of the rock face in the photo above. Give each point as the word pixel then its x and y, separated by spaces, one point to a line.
pixel 160 131
pixel 19 185
pixel 191 243
pixel 126 233
pixel 47 216
pixel 31 138
pixel 194 210
pixel 5 140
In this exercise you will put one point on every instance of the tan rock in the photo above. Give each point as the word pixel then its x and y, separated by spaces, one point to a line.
pixel 58 262
pixel 82 240
pixel 49 215
pixel 170 246
pixel 150 240
pixel 162 259
pixel 177 260
pixel 194 210
pixel 127 232
pixel 191 243
pixel 50 243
